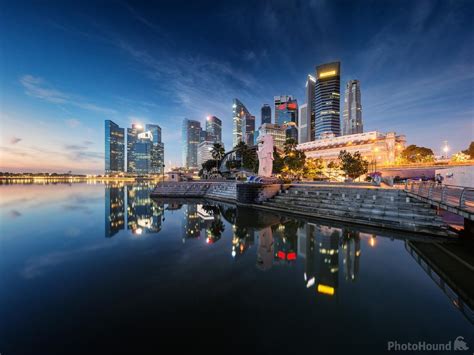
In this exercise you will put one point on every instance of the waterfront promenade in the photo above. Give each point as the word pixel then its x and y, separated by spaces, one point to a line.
pixel 354 203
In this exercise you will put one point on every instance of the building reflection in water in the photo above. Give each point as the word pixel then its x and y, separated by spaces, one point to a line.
pixel 198 218
pixel 114 209
pixel 142 215
pixel 351 253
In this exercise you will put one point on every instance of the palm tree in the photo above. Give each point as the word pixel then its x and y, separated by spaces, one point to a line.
pixel 217 153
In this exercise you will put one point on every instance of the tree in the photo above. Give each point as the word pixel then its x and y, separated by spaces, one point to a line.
pixel 278 162
pixel 459 157
pixel 217 153
pixel 353 165
pixel 294 159
pixel 313 168
pixel 415 154
pixel 470 151
pixel 247 156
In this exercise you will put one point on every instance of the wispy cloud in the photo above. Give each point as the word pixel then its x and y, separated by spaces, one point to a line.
pixel 39 88
pixel 15 140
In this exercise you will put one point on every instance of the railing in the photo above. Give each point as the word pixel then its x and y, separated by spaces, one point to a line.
pixel 451 195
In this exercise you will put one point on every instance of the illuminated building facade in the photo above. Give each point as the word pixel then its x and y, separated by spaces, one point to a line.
pixel 114 148
pixel 191 133
pixel 145 150
pixel 266 114
pixel 304 128
pixel 352 114
pixel 132 154
pixel 286 110
pixel 204 152
pixel 248 127
pixel 278 133
pixel 375 147
pixel 239 113
pixel 327 100
pixel 213 129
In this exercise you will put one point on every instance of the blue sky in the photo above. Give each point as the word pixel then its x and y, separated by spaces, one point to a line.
pixel 66 66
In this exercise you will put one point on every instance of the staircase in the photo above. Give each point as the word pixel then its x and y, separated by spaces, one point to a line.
pixel 388 208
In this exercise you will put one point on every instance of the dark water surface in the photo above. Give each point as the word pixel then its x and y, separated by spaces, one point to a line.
pixel 93 268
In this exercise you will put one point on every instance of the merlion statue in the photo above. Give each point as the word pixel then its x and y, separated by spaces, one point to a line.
pixel 265 155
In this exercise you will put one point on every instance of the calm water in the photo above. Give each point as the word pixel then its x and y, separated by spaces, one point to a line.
pixel 89 267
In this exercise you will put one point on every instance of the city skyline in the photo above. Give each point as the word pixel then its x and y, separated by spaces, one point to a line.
pixel 84 65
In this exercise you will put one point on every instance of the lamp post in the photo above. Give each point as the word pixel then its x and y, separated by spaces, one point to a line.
pixel 446 149
pixel 163 171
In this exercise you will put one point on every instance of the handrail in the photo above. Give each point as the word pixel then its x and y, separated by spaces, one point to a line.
pixel 461 197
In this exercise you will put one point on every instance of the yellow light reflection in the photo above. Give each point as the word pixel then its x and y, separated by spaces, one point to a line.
pixel 327 290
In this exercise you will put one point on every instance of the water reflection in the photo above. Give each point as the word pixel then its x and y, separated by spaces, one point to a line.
pixel 330 253
pixel 131 206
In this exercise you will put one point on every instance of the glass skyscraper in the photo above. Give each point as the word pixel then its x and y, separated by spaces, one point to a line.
pixel 248 130
pixel 114 148
pixel 352 114
pixel 191 136
pixel 132 139
pixel 327 100
pixel 311 109
pixel 214 129
pixel 157 149
pixel 239 112
pixel 286 110
pixel 266 114
pixel 303 129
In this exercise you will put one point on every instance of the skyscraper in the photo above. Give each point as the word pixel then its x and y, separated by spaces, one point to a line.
pixel 248 129
pixel 239 112
pixel 157 149
pixel 266 114
pixel 303 129
pixel 286 110
pixel 327 100
pixel 114 148
pixel 191 132
pixel 352 113
pixel 214 129
pixel 132 139
pixel 311 110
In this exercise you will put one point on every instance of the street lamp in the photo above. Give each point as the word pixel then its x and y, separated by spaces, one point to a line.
pixel 163 170
pixel 446 149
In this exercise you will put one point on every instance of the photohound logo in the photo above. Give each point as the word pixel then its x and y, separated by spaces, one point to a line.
pixel 457 345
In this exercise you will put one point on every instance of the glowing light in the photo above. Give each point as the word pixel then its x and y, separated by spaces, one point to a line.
pixel 372 242
pixel 327 73
pixel 327 290
pixel 311 282
pixel 208 118
pixel 291 256
pixel 139 231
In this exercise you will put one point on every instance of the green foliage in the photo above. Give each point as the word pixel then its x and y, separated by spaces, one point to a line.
pixel 313 168
pixel 415 154
pixel 278 162
pixel 353 165
pixel 470 151
pixel 217 151
pixel 294 159
pixel 247 156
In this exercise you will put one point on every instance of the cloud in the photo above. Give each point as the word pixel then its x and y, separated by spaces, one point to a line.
pixel 39 88
pixel 15 140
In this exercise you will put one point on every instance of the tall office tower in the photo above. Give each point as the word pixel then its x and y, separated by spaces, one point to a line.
pixel 278 133
pixel 114 148
pixel 266 113
pixel 286 110
pixel 327 100
pixel 202 135
pixel 214 129
pixel 114 210
pixel 239 112
pixel 143 216
pixel 132 139
pixel 311 110
pixel 303 129
pixel 157 149
pixel 352 109
pixel 248 130
pixel 191 132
